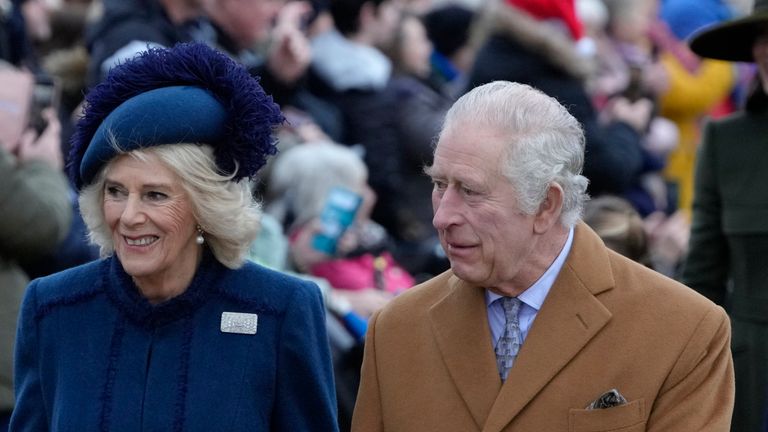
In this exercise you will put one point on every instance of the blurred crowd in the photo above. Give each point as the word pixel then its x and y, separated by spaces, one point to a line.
pixel 364 86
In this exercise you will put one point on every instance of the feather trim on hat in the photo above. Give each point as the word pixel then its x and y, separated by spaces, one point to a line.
pixel 252 114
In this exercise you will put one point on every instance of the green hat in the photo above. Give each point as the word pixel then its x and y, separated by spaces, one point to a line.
pixel 732 40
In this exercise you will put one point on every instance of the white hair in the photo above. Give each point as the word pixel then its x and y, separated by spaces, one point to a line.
pixel 303 175
pixel 225 210
pixel 546 143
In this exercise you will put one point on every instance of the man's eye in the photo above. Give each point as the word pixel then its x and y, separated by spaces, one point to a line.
pixel 468 191
pixel 439 184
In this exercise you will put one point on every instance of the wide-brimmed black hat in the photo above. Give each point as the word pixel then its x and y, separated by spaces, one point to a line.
pixel 732 40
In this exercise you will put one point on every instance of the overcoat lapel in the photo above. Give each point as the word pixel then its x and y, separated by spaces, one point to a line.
pixel 570 316
pixel 460 324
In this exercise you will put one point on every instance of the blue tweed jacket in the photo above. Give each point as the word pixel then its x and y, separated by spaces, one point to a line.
pixel 93 355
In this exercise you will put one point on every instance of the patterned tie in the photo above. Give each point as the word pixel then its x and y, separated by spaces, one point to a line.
pixel 509 342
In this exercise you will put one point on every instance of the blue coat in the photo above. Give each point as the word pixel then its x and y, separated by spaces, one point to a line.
pixel 93 355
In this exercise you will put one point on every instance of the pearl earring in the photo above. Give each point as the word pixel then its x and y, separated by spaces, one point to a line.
pixel 200 239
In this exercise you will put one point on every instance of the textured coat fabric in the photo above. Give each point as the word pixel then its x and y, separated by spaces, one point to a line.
pixel 728 253
pixel 606 323
pixel 35 217
pixel 94 355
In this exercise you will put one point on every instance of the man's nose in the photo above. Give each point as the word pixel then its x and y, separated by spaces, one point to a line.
pixel 446 208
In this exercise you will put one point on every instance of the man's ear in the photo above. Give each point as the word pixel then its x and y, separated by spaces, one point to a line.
pixel 549 209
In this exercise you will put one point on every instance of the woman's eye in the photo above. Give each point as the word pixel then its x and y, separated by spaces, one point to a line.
pixel 112 191
pixel 156 196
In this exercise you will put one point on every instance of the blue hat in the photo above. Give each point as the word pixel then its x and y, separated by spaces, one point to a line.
pixel 685 17
pixel 190 93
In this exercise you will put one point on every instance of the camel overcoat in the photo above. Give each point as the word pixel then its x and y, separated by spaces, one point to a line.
pixel 607 323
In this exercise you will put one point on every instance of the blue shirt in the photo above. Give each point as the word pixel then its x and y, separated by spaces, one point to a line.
pixel 531 299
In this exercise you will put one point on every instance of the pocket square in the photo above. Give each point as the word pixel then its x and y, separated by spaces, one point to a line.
pixel 609 399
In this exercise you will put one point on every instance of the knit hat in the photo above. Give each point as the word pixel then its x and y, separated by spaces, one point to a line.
pixel 563 10
pixel 190 93
pixel 448 28
pixel 732 40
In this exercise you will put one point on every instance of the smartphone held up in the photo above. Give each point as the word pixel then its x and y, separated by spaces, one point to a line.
pixel 338 214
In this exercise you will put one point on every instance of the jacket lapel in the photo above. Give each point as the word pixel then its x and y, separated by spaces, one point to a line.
pixel 570 316
pixel 460 324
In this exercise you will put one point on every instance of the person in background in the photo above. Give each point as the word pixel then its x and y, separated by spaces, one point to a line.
pixel 172 330
pixel 628 38
pixel 128 27
pixel 350 70
pixel 728 250
pixel 362 267
pixel 619 225
pixel 25 25
pixel 538 326
pixel 59 86
pixel 271 39
pixel 13 38
pixel 629 71
pixel 242 27
pixel 36 215
pixel 448 29
pixel 696 86
pixel 417 109
pixel 536 43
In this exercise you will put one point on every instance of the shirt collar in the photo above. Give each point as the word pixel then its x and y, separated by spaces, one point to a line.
pixel 534 296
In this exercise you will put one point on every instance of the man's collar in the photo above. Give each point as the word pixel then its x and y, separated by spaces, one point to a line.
pixel 534 296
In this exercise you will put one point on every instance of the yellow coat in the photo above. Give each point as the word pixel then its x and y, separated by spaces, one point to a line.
pixel 607 323
pixel 689 98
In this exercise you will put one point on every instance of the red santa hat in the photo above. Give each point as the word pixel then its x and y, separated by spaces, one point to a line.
pixel 563 10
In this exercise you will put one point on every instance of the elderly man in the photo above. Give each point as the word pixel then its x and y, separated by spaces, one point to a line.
pixel 537 326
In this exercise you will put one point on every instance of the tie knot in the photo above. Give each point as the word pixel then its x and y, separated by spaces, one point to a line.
pixel 511 306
